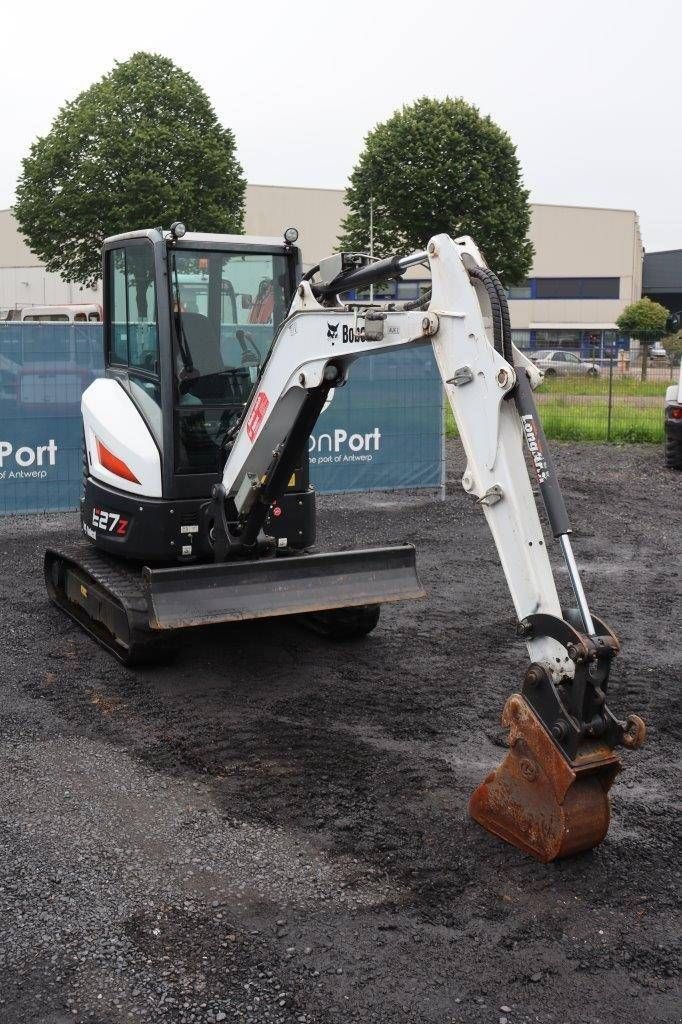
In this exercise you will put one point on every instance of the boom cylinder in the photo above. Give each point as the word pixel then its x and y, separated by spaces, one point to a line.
pixel 548 483
pixel 373 273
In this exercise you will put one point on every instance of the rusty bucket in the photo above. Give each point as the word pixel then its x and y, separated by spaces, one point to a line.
pixel 537 800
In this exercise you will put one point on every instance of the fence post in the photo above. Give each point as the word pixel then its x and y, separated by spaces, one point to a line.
pixel 608 414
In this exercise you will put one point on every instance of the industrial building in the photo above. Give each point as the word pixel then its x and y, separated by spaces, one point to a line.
pixel 662 279
pixel 587 265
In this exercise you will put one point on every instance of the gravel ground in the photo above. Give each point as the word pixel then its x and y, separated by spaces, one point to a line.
pixel 274 828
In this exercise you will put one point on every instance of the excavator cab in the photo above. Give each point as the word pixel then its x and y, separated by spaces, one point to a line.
pixel 189 320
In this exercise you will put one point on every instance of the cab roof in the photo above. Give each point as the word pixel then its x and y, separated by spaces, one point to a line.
pixel 204 239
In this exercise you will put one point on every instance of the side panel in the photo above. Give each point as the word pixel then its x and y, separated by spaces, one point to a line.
pixel 110 417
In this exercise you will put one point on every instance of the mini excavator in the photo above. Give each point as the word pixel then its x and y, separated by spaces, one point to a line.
pixel 197 508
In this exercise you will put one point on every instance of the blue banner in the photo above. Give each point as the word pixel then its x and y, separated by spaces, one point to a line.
pixel 383 430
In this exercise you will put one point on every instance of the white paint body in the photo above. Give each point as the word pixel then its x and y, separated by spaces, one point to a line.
pixel 110 416
pixel 458 325
pixel 673 394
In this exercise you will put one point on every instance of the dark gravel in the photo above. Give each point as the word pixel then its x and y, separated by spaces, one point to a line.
pixel 274 828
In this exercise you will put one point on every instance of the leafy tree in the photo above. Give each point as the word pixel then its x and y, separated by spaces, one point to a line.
pixel 644 321
pixel 440 166
pixel 672 343
pixel 139 148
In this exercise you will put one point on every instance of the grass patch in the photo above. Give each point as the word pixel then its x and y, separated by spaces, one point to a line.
pixel 566 421
pixel 627 387
pixel 578 423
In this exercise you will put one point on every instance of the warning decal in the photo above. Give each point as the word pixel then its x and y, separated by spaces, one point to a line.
pixel 257 415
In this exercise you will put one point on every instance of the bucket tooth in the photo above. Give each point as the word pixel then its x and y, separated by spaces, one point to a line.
pixel 537 800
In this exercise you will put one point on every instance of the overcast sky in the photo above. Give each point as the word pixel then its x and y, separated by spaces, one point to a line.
pixel 589 90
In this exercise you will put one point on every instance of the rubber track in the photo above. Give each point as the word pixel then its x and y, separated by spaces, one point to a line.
pixel 124 583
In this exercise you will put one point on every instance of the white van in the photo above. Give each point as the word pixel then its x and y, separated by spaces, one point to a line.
pixel 71 314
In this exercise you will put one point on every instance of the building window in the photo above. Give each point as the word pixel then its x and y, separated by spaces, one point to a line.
pixel 558 338
pixel 521 339
pixel 401 291
pixel 520 291
pixel 576 287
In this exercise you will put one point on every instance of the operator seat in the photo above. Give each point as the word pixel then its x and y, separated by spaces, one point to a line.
pixel 203 341
pixel 217 382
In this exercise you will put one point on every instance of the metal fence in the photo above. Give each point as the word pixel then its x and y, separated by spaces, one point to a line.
pixel 603 399
pixel 382 431
pixel 606 400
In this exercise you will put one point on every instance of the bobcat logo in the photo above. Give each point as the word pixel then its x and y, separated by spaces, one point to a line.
pixel 332 330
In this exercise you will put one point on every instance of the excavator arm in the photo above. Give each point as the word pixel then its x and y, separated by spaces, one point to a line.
pixel 549 796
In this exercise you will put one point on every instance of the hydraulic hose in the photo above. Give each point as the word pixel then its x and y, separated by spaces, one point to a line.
pixel 499 309
pixel 506 320
pixel 420 303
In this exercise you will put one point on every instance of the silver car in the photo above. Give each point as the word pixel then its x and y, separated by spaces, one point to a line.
pixel 559 363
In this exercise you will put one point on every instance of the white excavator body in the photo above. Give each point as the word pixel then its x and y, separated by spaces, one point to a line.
pixel 194 466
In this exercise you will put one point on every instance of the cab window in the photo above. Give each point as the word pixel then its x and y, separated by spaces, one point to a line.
pixel 227 307
pixel 133 334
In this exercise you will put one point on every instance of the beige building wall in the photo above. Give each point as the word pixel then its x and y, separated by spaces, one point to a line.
pixel 23 279
pixel 569 241
pixel 316 212
pixel 580 241
pixel 13 249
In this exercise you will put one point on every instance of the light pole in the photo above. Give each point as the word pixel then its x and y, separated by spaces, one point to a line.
pixel 371 241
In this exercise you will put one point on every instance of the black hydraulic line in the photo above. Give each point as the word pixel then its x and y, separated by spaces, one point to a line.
pixel 506 319
pixel 309 274
pixel 538 448
pixel 531 423
pixel 497 305
pixel 420 303
pixel 381 270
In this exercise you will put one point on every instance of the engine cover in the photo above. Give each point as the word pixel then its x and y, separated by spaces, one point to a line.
pixel 163 531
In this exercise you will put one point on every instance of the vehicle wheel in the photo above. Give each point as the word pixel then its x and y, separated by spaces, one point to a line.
pixel 673 452
pixel 593 372
pixel 550 372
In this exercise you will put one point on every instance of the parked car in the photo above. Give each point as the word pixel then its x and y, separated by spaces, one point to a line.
pixel 673 424
pixel 656 351
pixel 558 363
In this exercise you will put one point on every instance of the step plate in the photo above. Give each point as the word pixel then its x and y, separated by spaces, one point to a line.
pixel 197 595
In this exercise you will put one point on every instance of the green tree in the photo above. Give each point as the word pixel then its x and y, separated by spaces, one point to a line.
pixel 440 166
pixel 141 147
pixel 644 321
pixel 672 343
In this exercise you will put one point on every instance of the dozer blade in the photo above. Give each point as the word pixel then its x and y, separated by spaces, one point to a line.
pixel 537 800
pixel 231 591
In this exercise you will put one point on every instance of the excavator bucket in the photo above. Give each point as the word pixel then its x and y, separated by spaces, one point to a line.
pixel 231 591
pixel 537 800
